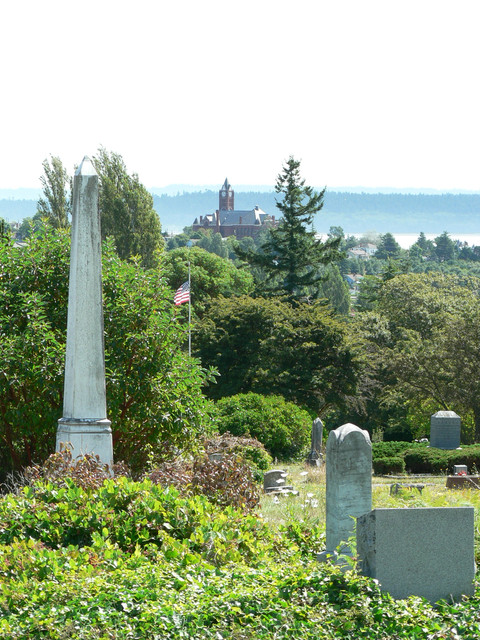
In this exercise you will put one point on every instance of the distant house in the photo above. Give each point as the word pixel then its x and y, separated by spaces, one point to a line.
pixel 352 279
pixel 368 247
pixel 231 222
pixel 362 251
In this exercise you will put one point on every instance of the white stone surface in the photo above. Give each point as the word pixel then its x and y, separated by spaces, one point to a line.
pixel 84 423
pixel 349 483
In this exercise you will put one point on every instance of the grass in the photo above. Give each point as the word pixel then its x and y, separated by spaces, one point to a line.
pixel 309 504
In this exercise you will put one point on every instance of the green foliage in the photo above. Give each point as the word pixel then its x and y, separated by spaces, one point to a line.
pixel 134 560
pixel 269 346
pixel 211 276
pixel 282 427
pixel 213 243
pixel 291 256
pixel 420 458
pixel 335 290
pixel 387 466
pixel 154 391
pixel 56 203
pixel 388 248
pixel 393 449
pixel 126 209
pixel 420 351
pixel 444 248
pixel 33 290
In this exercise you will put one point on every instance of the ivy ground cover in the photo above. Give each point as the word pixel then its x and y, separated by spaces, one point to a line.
pixel 134 560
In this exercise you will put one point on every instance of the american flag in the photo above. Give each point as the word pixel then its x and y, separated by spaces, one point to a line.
pixel 182 294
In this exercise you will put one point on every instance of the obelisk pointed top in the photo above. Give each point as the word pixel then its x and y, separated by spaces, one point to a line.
pixel 86 168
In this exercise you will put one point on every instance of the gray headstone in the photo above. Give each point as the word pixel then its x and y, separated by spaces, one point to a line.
pixel 215 457
pixel 314 458
pixel 274 479
pixel 445 430
pixel 84 425
pixel 349 484
pixel 422 552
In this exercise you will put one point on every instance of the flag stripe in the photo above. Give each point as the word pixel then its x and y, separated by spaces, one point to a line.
pixel 182 294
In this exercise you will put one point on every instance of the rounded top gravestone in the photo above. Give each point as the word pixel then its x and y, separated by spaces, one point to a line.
pixel 349 482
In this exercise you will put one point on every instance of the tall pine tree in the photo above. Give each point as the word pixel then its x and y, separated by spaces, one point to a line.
pixel 291 257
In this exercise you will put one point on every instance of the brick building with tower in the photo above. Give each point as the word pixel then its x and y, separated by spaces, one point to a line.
pixel 231 222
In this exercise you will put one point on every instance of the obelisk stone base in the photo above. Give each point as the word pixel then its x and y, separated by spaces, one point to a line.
pixel 86 436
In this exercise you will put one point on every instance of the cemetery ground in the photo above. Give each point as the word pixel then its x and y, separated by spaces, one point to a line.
pixel 131 560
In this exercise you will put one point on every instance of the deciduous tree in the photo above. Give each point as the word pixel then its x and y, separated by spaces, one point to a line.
pixel 126 209
pixel 211 276
pixel 269 346
pixel 55 205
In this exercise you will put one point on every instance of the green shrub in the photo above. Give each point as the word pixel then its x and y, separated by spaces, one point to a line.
pixel 154 390
pixel 135 514
pixel 282 427
pixel 386 466
pixel 431 460
pixel 394 448
pixel 131 560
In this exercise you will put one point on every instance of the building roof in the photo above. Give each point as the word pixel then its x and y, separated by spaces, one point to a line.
pixel 236 217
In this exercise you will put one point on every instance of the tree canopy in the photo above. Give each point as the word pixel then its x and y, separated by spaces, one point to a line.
pixel 422 346
pixel 211 276
pixel 269 346
pixel 126 209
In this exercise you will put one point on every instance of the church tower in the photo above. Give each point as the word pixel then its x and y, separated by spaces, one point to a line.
pixel 225 197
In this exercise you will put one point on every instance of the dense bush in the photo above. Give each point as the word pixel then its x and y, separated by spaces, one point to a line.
pixel 227 481
pixel 282 427
pixel 393 449
pixel 387 466
pixel 431 460
pixel 129 514
pixel 250 450
pixel 421 458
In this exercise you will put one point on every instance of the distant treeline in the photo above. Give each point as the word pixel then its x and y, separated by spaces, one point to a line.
pixel 355 212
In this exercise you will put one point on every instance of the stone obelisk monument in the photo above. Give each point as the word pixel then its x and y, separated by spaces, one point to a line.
pixel 84 423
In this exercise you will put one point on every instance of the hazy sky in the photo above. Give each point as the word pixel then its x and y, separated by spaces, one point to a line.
pixel 377 93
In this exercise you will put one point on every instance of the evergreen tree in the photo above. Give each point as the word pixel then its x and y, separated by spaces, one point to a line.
pixel 56 203
pixel 388 248
pixel 4 229
pixel 444 247
pixel 291 256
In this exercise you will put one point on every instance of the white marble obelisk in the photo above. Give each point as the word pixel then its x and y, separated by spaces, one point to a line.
pixel 84 423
